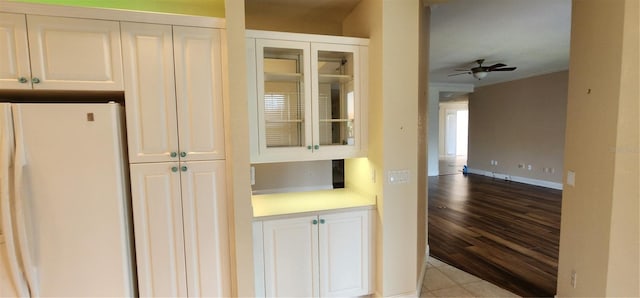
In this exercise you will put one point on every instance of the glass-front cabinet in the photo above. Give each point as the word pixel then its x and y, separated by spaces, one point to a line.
pixel 307 99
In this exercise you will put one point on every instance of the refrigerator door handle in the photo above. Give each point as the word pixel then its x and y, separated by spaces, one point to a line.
pixel 20 162
pixel 6 164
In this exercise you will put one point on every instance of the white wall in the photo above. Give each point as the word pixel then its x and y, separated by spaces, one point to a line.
pixel 600 229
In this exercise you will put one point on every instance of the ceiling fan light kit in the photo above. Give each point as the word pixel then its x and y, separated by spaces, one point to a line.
pixel 479 72
pixel 480 75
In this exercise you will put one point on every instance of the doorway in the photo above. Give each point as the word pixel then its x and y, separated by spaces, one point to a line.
pixel 454 135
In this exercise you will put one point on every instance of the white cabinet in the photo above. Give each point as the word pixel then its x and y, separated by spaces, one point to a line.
pixel 325 255
pixel 14 52
pixel 57 53
pixel 173 91
pixel 307 96
pixel 181 230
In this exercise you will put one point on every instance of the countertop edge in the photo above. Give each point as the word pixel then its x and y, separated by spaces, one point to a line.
pixel 317 212
pixel 324 199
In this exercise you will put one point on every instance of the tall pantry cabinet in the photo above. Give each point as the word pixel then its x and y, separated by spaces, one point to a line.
pixel 173 91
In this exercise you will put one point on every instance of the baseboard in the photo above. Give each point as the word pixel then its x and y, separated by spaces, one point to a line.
pixel 412 294
pixel 530 181
pixel 423 271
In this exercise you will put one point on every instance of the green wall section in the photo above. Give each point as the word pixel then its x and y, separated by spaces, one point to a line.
pixel 210 8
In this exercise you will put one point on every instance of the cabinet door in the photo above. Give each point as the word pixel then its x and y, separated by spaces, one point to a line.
pixel 336 100
pixel 198 64
pixel 283 100
pixel 204 204
pixel 74 54
pixel 291 257
pixel 345 254
pixel 15 71
pixel 150 92
pixel 157 218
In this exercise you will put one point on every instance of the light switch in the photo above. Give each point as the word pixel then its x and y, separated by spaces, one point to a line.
pixel 571 178
pixel 399 176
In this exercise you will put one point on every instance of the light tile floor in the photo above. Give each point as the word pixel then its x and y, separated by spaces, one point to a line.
pixel 443 280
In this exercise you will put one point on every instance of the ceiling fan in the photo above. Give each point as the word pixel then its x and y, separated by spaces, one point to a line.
pixel 479 72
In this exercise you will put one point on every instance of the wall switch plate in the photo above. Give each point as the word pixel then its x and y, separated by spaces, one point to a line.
pixel 571 178
pixel 397 177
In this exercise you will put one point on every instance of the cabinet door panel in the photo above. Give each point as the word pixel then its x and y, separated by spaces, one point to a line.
pixel 291 257
pixel 198 64
pixel 75 54
pixel 14 52
pixel 283 101
pixel 150 92
pixel 157 217
pixel 344 254
pixel 206 229
pixel 336 99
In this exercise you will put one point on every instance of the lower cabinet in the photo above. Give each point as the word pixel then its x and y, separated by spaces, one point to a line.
pixel 181 229
pixel 324 255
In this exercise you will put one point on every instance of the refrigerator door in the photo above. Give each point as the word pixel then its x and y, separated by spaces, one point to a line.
pixel 72 200
pixel 12 282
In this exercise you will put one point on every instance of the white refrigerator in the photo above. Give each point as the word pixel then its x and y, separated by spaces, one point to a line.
pixel 64 202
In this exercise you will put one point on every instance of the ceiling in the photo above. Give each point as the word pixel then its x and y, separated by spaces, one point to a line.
pixel 532 35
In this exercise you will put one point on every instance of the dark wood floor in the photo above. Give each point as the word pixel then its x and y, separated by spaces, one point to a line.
pixel 503 232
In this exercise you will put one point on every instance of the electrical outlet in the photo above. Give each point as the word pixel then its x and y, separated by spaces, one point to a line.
pixel 574 278
pixel 529 167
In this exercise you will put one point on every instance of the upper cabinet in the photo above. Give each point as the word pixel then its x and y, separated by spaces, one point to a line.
pixel 59 53
pixel 173 91
pixel 307 96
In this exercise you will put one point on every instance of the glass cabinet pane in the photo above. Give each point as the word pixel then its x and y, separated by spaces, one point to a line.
pixel 336 97
pixel 284 108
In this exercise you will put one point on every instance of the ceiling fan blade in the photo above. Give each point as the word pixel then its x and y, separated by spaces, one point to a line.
pixel 457 74
pixel 461 69
pixel 504 69
pixel 497 65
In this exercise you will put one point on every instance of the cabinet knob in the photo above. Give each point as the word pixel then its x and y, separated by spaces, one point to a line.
pixel 183 154
pixel 183 168
pixel 322 221
pixel 174 154
pixel 35 81
pixel 174 169
pixel 309 147
pixel 315 221
pixel 316 147
pixel 22 80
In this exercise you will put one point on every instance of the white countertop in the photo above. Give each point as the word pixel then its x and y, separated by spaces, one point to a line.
pixel 311 201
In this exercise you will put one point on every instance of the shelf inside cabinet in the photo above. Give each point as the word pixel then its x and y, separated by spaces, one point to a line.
pixel 335 120
pixel 334 78
pixel 282 77
pixel 284 121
